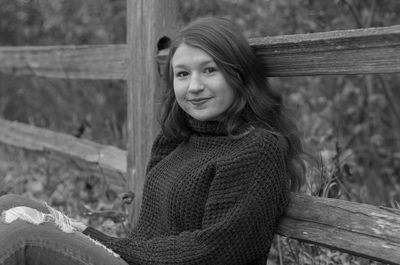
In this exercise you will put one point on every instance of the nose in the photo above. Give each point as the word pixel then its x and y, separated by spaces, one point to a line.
pixel 196 84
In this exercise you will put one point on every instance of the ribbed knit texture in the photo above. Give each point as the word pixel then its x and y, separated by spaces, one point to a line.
pixel 210 199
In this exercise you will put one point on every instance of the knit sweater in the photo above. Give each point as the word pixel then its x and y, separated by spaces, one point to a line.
pixel 210 199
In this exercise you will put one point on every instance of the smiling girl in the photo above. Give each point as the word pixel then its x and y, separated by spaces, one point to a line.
pixel 221 169
pixel 200 88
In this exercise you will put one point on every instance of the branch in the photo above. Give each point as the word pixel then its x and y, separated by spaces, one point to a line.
pixel 387 91
pixel 354 13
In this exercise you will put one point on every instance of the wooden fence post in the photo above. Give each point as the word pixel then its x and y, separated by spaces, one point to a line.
pixel 148 21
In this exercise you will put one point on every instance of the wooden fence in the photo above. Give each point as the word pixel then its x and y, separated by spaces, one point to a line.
pixel 363 230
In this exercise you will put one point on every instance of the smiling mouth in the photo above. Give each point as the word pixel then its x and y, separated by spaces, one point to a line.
pixel 198 101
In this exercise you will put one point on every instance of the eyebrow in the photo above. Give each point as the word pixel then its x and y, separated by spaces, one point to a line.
pixel 201 64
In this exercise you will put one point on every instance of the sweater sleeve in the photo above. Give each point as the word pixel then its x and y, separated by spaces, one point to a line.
pixel 246 198
pixel 161 147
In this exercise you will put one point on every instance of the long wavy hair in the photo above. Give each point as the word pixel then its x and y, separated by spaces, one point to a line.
pixel 254 102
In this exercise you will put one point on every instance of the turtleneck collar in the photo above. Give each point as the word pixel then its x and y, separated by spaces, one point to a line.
pixel 214 128
pixel 211 128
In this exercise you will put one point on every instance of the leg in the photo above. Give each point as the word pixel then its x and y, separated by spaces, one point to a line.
pixel 25 243
pixel 11 200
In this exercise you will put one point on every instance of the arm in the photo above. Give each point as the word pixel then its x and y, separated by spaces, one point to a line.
pixel 246 199
pixel 162 146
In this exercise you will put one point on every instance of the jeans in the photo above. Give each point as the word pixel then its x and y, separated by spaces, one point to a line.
pixel 45 244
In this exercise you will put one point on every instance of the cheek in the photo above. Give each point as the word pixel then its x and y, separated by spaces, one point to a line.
pixel 179 94
pixel 228 97
pixel 230 101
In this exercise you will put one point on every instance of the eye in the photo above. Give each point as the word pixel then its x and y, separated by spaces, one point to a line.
pixel 181 74
pixel 210 69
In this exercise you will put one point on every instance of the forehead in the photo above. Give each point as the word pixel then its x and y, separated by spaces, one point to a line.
pixel 188 55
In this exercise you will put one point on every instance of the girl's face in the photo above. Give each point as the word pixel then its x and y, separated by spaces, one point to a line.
pixel 200 88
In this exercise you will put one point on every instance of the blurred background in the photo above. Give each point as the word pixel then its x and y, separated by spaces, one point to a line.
pixel 350 124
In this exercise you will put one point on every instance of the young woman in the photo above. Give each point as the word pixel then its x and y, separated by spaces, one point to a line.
pixel 219 175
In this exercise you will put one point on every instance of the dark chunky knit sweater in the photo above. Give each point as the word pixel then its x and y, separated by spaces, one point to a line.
pixel 208 200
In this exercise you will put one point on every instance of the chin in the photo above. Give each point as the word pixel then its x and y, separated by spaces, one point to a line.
pixel 199 118
pixel 206 117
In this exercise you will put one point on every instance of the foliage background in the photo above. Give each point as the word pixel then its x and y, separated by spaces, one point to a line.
pixel 350 124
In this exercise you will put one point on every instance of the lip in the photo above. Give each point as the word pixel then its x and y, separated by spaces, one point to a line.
pixel 198 101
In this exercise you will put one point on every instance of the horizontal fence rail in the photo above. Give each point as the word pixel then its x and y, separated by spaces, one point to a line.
pixel 358 51
pixel 359 229
pixel 74 62
pixel 108 159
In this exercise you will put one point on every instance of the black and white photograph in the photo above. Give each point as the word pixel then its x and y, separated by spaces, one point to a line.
pixel 199 132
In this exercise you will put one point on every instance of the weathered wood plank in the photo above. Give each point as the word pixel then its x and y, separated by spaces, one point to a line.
pixel 75 62
pixel 359 229
pixel 148 22
pixel 358 51
pixel 108 158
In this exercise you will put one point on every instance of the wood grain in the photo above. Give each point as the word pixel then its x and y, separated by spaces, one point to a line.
pixel 359 229
pixel 358 51
pixel 94 155
pixel 148 22
pixel 75 62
